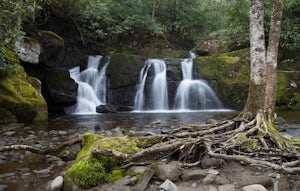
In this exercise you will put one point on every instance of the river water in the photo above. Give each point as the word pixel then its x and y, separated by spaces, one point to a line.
pixel 23 170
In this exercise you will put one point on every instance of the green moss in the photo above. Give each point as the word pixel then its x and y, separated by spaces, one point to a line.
pixel 87 173
pixel 105 167
pixel 55 38
pixel 250 144
pixel 228 74
pixel 124 145
pixel 115 175
pixel 19 97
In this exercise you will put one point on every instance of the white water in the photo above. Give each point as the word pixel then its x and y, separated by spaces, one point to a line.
pixel 192 94
pixel 91 87
pixel 159 89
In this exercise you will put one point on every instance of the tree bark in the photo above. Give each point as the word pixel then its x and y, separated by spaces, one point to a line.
pixel 272 55
pixel 256 95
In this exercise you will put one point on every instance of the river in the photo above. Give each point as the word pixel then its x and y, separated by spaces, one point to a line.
pixel 27 171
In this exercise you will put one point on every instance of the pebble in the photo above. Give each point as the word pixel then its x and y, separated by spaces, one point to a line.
pixel 43 173
pixel 168 186
pixel 57 184
pixel 254 187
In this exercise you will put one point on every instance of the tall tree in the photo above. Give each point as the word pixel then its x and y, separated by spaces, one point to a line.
pixel 263 76
pixel 256 95
pixel 272 55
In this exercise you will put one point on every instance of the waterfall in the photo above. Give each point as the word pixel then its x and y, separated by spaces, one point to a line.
pixel 194 94
pixel 91 87
pixel 159 90
pixel 191 94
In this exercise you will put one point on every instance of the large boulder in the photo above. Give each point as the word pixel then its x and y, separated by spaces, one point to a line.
pixel 20 95
pixel 122 72
pixel 28 49
pixel 61 90
pixel 52 48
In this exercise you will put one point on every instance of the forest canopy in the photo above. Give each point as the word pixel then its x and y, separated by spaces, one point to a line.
pixel 113 20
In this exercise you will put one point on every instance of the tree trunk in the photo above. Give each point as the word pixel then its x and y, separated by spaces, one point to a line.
pixel 272 54
pixel 256 95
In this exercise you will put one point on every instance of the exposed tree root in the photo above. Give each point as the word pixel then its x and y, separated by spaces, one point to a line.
pixel 254 142
pixel 42 151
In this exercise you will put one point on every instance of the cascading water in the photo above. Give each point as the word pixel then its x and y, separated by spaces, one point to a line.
pixel 159 89
pixel 194 94
pixel 91 87
pixel 191 94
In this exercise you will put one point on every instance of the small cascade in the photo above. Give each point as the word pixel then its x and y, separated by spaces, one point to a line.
pixel 91 87
pixel 159 90
pixel 194 94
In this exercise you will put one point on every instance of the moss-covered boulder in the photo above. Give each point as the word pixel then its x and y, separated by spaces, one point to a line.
pixel 122 72
pixel 161 48
pixel 91 170
pixel 21 95
pixel 52 48
pixel 229 75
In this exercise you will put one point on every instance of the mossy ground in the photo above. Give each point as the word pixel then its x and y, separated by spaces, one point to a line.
pixel 92 170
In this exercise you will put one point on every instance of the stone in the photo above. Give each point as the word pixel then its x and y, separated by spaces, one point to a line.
pixel 170 171
pixel 254 187
pixel 194 174
pixel 43 173
pixel 210 178
pixel 57 184
pixel 106 109
pixel 168 186
pixel 226 187
pixel 3 187
pixel 221 180
pixel 28 49
pixel 208 162
pixel 250 179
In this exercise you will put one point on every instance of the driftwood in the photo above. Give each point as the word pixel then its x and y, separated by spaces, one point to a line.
pixel 251 142
pixel 42 151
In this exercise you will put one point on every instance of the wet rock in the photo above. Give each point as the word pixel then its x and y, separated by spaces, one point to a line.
pixel 168 186
pixel 170 171
pixel 9 133
pixel 254 187
pixel 57 184
pixel 43 173
pixel 3 159
pixel 68 154
pixel 8 176
pixel 3 187
pixel 24 170
pixel 156 122
pixel 106 109
pixel 226 187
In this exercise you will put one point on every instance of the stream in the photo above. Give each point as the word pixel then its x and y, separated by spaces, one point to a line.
pixel 23 170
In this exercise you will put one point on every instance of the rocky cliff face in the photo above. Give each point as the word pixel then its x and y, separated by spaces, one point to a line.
pixel 20 97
